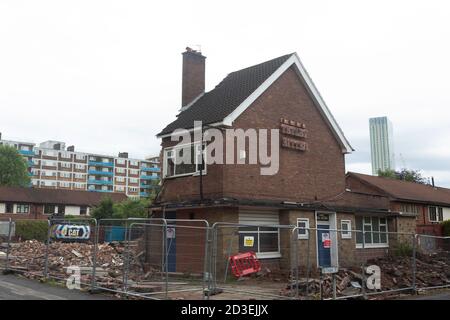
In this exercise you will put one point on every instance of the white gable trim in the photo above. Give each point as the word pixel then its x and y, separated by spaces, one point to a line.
pixel 303 74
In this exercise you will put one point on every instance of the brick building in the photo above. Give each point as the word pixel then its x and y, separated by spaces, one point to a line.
pixel 33 203
pixel 429 205
pixel 308 189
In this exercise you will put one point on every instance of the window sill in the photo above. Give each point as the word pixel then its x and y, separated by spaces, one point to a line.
pixel 372 246
pixel 268 255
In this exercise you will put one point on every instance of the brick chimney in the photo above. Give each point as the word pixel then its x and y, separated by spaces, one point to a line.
pixel 193 75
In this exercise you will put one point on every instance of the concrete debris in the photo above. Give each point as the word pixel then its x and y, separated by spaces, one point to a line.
pixel 396 273
pixel 28 257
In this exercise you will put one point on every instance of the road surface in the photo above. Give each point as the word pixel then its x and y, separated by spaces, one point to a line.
pixel 13 287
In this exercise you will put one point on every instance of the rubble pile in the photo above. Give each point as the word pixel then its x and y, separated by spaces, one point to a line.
pixel 29 258
pixel 396 273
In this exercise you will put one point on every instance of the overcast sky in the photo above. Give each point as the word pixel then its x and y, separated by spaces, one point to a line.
pixel 106 75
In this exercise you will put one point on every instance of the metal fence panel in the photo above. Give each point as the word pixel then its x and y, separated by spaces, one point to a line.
pixel 70 251
pixel 432 262
pixel 343 264
pixel 273 246
pixel 7 230
pixel 188 259
pixel 27 249
pixel 172 257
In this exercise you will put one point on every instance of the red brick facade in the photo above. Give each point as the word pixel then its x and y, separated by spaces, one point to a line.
pixel 317 173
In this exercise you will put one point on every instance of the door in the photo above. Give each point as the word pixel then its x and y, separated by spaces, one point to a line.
pixel 324 245
pixel 171 243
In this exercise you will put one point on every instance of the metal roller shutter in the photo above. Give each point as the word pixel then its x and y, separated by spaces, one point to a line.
pixel 259 218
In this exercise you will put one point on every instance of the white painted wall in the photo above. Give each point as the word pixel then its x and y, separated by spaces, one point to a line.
pixel 72 210
pixel 2 208
pixel 446 213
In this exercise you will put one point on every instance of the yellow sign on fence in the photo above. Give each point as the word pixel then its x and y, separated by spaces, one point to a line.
pixel 249 241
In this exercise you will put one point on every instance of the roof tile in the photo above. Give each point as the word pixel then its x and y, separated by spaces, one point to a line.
pixel 404 190
pixel 56 196
pixel 218 103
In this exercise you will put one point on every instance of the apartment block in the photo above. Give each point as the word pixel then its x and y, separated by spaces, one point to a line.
pixel 52 165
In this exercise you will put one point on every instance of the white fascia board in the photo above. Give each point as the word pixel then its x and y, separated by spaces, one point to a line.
pixel 301 71
pixel 216 124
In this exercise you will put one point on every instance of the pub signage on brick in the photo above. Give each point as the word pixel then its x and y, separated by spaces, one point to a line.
pixel 291 132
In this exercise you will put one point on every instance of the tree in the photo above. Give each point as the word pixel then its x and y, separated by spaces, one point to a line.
pixel 13 168
pixel 155 190
pixel 132 208
pixel 404 174
pixel 105 210
pixel 388 173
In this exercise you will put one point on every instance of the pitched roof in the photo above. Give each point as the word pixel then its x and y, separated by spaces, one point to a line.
pixel 240 89
pixel 56 196
pixel 359 201
pixel 216 104
pixel 404 190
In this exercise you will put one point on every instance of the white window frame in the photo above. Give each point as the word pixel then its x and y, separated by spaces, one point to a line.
pixel 80 157
pixel 64 174
pixel 50 153
pixel 120 161
pixel 374 245
pixel 66 165
pixel 346 234
pixel 22 205
pixel 257 233
pixel 173 155
pixel 304 236
pixel 436 213
pixel 260 220
pixel 49 214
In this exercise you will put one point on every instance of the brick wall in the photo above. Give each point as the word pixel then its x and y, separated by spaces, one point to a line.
pixel 317 173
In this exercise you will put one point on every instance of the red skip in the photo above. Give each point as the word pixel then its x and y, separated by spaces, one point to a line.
pixel 243 264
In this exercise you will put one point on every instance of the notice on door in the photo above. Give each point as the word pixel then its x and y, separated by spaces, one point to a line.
pixel 170 233
pixel 249 241
pixel 326 241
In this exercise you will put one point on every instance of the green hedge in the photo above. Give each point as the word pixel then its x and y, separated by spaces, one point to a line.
pixel 446 228
pixel 32 229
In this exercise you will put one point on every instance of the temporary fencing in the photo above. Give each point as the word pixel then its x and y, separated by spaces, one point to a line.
pixel 155 258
